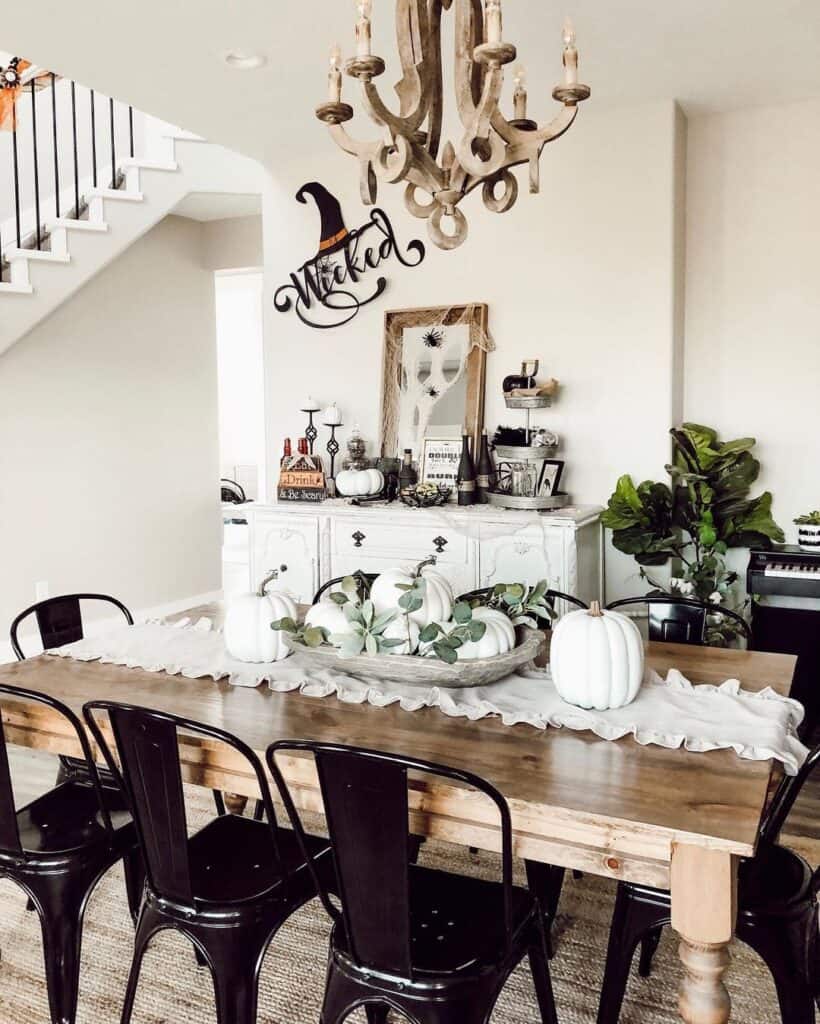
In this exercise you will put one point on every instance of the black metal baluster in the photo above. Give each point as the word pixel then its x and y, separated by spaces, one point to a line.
pixel 131 131
pixel 113 154
pixel 36 163
pixel 54 137
pixel 93 140
pixel 16 174
pixel 76 158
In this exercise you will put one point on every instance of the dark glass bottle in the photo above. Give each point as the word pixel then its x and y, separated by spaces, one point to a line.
pixel 302 446
pixel 525 379
pixel 485 472
pixel 407 475
pixel 286 452
pixel 465 479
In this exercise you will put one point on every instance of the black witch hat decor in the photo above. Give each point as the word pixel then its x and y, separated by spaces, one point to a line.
pixel 320 291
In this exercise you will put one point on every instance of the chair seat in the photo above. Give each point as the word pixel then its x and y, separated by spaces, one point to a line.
pixel 233 858
pixel 456 922
pixel 68 818
pixel 773 881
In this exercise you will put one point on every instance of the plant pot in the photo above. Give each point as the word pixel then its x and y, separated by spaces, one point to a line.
pixel 808 536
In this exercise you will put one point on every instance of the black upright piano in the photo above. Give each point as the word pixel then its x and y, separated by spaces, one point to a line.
pixel 789 623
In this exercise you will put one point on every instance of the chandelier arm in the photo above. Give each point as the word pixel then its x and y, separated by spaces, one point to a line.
pixel 469 75
pixel 480 130
pixel 436 79
pixel 395 123
pixel 356 147
pixel 411 32
pixel 516 138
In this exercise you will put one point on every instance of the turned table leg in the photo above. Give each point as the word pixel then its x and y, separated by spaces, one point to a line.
pixel 235 803
pixel 704 901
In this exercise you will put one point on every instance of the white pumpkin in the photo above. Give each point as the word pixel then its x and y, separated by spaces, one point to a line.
pixel 248 633
pixel 359 482
pixel 330 616
pixel 499 636
pixel 438 599
pixel 597 659
pixel 402 628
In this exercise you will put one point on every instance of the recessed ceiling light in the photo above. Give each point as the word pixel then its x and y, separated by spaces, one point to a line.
pixel 244 60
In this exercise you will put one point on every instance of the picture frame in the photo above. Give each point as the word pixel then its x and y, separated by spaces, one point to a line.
pixel 551 472
pixel 440 457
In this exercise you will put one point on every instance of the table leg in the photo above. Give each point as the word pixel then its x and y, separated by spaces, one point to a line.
pixel 704 902
pixel 235 803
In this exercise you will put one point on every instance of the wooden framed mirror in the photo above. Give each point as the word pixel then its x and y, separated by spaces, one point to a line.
pixel 434 371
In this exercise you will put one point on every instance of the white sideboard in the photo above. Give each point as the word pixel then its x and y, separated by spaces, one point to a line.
pixel 474 547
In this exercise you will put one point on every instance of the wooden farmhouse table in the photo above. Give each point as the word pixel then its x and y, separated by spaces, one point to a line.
pixel 668 818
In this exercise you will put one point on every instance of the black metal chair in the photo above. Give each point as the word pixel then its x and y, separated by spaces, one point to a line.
pixel 682 620
pixel 57 848
pixel 777 917
pixel 60 621
pixel 229 887
pixel 364 580
pixel 436 947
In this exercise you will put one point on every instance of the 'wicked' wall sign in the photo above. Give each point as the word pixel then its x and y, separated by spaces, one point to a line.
pixel 320 290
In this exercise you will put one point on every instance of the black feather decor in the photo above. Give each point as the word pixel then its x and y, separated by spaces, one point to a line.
pixel 510 436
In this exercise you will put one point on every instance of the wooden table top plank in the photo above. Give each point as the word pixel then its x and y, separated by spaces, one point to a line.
pixel 558 782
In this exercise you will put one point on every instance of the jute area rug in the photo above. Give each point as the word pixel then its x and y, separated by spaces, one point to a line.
pixel 174 989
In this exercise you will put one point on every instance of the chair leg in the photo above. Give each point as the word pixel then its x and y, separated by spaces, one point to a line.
pixel 415 844
pixel 632 919
pixel 545 882
pixel 146 928
pixel 219 802
pixel 234 955
pixel 784 946
pixel 649 946
pixel 376 1014
pixel 134 880
pixel 60 902
pixel 539 967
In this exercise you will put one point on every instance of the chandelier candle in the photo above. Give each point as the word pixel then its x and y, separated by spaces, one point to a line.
pixel 334 78
pixel 410 148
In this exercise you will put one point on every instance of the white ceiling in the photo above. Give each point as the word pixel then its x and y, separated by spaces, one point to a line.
pixel 217 206
pixel 165 57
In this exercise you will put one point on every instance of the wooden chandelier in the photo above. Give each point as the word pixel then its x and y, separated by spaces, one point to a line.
pixel 410 149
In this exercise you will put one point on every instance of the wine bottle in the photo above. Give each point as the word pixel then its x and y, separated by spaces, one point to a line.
pixel 407 475
pixel 286 452
pixel 465 479
pixel 485 473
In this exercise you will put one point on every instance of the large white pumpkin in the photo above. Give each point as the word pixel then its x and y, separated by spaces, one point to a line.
pixel 359 482
pixel 499 636
pixel 402 628
pixel 597 659
pixel 330 616
pixel 248 633
pixel 438 598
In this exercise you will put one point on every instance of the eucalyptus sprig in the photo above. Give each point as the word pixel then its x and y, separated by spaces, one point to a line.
pixel 444 643
pixel 309 636
pixel 524 605
pixel 367 629
pixel 414 593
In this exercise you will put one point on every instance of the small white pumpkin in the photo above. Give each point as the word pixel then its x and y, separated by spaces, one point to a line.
pixel 438 599
pixel 359 482
pixel 597 659
pixel 499 636
pixel 330 616
pixel 248 633
pixel 402 628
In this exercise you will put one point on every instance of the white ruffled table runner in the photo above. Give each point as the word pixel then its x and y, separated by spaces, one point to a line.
pixel 668 712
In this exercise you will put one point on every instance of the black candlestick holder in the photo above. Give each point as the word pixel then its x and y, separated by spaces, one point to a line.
pixel 311 433
pixel 332 447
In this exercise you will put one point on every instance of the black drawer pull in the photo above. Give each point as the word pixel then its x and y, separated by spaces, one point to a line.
pixel 358 536
pixel 440 543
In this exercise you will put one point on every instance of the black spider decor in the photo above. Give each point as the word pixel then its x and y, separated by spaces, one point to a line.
pixel 433 338
pixel 432 391
pixel 10 76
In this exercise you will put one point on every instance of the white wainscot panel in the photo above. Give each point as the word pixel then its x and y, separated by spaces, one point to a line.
pixel 292 541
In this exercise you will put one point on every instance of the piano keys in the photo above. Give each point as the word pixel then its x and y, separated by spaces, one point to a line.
pixel 786 571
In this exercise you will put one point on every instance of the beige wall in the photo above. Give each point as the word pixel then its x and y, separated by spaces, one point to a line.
pixel 233 243
pixel 581 276
pixel 753 291
pixel 108 424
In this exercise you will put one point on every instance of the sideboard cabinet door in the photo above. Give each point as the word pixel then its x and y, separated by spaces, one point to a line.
pixel 292 541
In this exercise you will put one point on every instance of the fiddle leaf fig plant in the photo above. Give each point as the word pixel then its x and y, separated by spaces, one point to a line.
pixel 705 510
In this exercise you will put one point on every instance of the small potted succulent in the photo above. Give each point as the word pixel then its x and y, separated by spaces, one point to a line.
pixel 808 531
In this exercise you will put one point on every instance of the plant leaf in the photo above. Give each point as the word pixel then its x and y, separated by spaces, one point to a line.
pixel 350 587
pixel 446 653
pixel 477 630
pixel 371 644
pixel 352 646
pixel 338 598
pixel 462 612
pixel 430 632
pixel 285 624
pixel 315 636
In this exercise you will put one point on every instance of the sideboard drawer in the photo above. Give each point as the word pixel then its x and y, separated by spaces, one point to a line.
pixel 291 541
pixel 401 542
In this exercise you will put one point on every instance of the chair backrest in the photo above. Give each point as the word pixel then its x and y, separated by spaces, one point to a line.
pixel 150 774
pixel 482 593
pixel 681 620
pixel 366 805
pixel 364 580
pixel 9 831
pixel 783 800
pixel 60 620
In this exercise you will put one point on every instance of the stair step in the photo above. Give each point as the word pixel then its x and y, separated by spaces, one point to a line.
pixel 37 255
pixel 70 224
pixel 114 193
pixel 150 165
pixel 6 288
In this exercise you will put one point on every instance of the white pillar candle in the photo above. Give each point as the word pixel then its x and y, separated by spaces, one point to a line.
pixel 365 9
pixel 492 27
pixel 332 416
pixel 520 93
pixel 570 54
pixel 334 78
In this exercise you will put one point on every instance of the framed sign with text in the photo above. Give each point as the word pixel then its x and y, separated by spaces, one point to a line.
pixel 440 457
